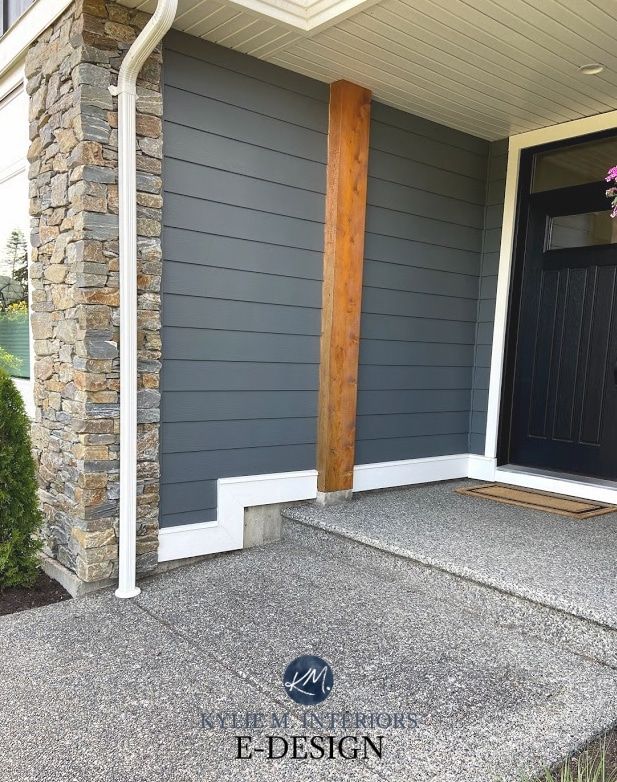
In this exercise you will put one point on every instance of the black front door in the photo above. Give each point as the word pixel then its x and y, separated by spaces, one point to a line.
pixel 563 412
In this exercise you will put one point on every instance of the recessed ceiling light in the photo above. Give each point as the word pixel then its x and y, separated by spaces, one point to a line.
pixel 591 68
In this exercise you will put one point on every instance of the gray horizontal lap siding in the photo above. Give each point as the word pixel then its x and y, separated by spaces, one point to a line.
pixel 493 218
pixel 424 226
pixel 245 150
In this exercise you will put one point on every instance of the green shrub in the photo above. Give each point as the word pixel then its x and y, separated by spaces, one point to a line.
pixel 20 517
pixel 9 362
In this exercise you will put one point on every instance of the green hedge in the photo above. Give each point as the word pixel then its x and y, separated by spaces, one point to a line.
pixel 20 517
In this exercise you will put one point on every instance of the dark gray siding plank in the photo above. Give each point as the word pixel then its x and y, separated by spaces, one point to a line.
pixel 388 138
pixel 387 222
pixel 230 252
pixel 476 443
pixel 388 353
pixel 216 345
pixel 253 224
pixel 229 315
pixel 214 117
pixel 227 154
pixel 247 66
pixel 245 150
pixel 184 497
pixel 412 200
pixel 407 401
pixel 239 376
pixel 368 451
pixel 412 425
pixel 417 126
pixel 425 221
pixel 373 378
pixel 421 255
pixel 208 80
pixel 383 301
pixel 480 401
pixel 411 329
pixel 235 405
pixel 202 465
pixel 484 334
pixel 379 274
pixel 486 311
pixel 394 168
pixel 235 285
pixel 223 435
pixel 235 189
pixel 180 519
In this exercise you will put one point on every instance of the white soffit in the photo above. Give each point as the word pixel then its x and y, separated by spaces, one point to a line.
pixel 492 68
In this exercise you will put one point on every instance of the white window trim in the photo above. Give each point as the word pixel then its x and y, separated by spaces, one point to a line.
pixel 517 143
pixel 10 85
pixel 35 20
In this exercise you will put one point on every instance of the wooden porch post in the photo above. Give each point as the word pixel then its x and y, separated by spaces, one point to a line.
pixel 348 139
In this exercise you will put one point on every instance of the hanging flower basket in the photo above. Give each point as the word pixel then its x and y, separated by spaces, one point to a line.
pixel 611 176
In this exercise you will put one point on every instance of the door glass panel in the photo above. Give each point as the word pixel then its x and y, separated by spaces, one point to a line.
pixel 579 164
pixel 581 230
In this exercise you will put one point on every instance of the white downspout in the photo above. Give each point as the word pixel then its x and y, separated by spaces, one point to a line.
pixel 126 91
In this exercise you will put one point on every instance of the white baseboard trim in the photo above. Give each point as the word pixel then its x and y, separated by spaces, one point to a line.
pixel 482 468
pixel 406 472
pixel 234 495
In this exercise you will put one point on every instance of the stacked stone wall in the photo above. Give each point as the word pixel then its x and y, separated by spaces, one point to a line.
pixel 73 160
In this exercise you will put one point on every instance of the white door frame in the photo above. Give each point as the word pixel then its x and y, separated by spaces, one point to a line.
pixel 517 143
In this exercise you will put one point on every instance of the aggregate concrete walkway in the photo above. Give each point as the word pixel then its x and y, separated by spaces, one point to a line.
pixel 99 689
pixel 566 563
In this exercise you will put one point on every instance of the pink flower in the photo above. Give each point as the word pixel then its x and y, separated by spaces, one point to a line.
pixel 611 174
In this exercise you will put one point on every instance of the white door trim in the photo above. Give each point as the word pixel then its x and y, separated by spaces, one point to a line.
pixel 599 491
pixel 565 130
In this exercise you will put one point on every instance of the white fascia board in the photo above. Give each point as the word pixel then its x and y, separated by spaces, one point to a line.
pixel 30 25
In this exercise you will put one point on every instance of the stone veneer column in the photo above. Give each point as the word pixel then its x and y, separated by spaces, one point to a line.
pixel 74 233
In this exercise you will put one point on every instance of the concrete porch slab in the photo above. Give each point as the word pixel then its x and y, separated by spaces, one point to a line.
pixel 102 690
pixel 563 563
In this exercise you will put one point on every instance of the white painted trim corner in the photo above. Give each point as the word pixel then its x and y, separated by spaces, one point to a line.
pixel 481 468
pixel 234 495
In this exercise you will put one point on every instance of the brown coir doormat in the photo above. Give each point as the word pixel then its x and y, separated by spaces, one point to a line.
pixel 539 500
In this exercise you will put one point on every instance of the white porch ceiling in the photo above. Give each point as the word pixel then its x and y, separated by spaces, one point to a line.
pixel 488 67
